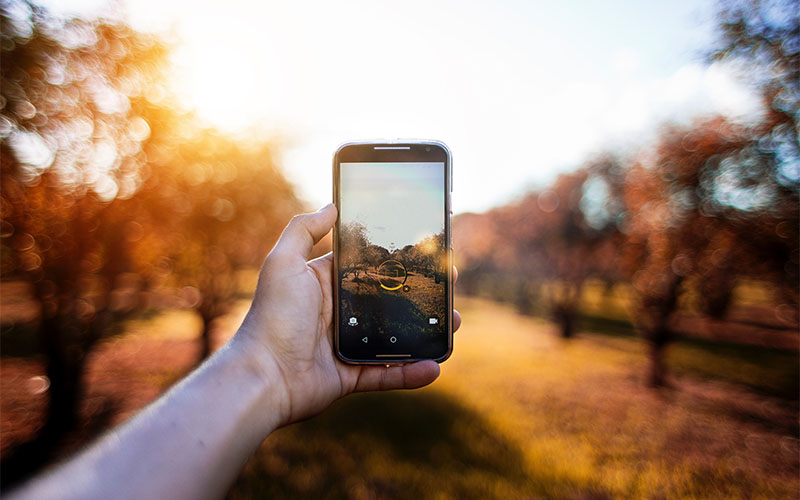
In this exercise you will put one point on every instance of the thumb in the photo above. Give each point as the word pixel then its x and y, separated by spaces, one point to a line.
pixel 305 230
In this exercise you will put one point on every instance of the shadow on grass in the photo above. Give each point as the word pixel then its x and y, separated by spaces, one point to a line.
pixel 420 444
pixel 766 370
pixel 606 326
pixel 23 339
pixel 24 460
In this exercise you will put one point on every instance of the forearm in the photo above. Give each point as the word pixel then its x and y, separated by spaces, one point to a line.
pixel 191 443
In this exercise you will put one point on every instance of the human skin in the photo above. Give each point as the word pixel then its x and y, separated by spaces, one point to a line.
pixel 278 368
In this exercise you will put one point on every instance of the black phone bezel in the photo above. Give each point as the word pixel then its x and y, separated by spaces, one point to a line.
pixel 413 151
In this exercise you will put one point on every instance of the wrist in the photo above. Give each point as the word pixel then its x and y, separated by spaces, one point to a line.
pixel 260 363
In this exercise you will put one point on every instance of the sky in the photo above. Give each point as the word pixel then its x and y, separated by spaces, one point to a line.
pixel 399 203
pixel 519 90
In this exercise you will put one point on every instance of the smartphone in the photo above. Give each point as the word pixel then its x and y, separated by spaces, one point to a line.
pixel 392 252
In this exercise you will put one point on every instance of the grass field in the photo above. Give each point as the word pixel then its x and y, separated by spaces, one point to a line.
pixel 425 294
pixel 519 413
pixel 516 413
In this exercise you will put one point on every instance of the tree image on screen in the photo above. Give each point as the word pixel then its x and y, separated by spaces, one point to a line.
pixel 396 291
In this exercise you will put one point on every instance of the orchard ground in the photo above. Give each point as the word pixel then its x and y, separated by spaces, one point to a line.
pixel 516 413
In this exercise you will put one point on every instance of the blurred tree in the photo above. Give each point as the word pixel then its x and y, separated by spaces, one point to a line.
pixel 70 147
pixel 424 256
pixel 576 236
pixel 374 255
pixel 474 238
pixel 719 200
pixel 552 240
pixel 104 175
pixel 214 205
pixel 713 202
pixel 703 211
pixel 762 38
pixel 352 247
pixel 410 258
pixel 670 230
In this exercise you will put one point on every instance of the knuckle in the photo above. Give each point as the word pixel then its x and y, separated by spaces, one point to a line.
pixel 298 220
pixel 383 382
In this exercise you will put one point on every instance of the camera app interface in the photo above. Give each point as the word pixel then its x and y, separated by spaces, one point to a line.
pixel 392 260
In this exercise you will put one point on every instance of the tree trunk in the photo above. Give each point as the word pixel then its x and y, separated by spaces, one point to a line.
pixel 523 298
pixel 658 370
pixel 659 309
pixel 65 361
pixel 565 318
pixel 565 309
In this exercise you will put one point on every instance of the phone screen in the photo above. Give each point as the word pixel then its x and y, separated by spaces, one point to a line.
pixel 393 260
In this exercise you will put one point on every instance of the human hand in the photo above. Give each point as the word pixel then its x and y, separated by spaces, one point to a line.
pixel 288 332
